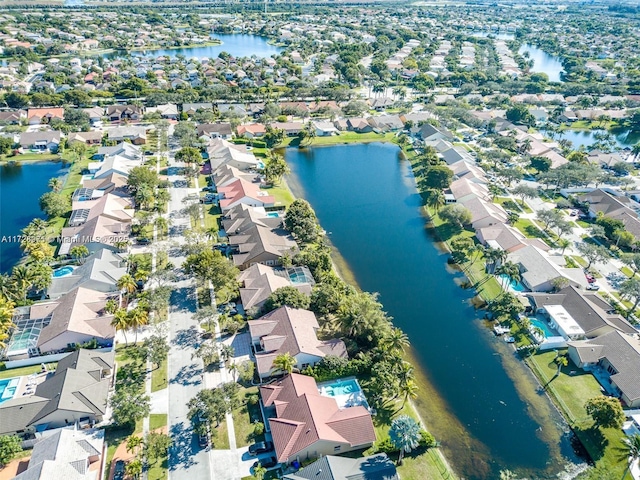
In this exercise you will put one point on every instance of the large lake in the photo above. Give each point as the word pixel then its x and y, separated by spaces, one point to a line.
pixel 365 197
pixel 237 45
pixel 543 62
pixel 20 190
pixel 623 137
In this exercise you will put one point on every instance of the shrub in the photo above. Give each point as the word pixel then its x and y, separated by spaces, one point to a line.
pixel 386 446
pixel 258 428
pixel 427 440
pixel 259 144
pixel 3 366
pixel 253 399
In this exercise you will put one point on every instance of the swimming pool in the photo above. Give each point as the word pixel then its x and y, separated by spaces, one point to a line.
pixel 345 387
pixel 8 388
pixel 62 272
pixel 535 322
pixel 273 214
pixel 516 286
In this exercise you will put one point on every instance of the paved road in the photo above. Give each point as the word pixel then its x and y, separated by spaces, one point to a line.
pixel 186 460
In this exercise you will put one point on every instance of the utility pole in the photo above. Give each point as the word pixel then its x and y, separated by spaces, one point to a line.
pixel 265 7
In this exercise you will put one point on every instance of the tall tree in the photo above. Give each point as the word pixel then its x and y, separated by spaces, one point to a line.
pixel 284 362
pixel 405 435
pixel 606 412
pixel 630 453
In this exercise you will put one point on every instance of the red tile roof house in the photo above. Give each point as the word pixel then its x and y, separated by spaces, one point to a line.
pixel 243 192
pixel 252 130
pixel 293 331
pixel 36 116
pixel 305 424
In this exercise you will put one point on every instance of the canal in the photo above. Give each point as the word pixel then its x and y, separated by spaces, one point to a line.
pixel 543 62
pixel 21 187
pixel 478 400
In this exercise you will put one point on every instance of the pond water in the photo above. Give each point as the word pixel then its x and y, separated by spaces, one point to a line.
pixel 623 138
pixel 20 189
pixel 496 35
pixel 237 45
pixel 365 197
pixel 543 62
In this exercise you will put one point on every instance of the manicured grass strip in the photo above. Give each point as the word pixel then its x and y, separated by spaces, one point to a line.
pixel 220 437
pixel 244 418
pixel 21 371
pixel 281 193
pixel 159 377
pixel 157 420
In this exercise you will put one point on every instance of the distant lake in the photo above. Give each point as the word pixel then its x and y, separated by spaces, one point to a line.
pixel 237 45
pixel 624 137
pixel 20 189
pixel 543 62
pixel 497 35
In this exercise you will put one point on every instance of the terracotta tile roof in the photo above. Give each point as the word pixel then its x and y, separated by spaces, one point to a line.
pixel 305 417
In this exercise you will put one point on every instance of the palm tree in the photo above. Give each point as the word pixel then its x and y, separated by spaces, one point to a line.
pixel 121 322
pixel 23 278
pixel 133 443
pixel 309 133
pixel 8 287
pixel 284 363
pixel 55 184
pixel 111 306
pixel 259 472
pixel 435 199
pixel 493 256
pixel 227 352
pixel 138 317
pixel 121 245
pixel 162 224
pixel 510 272
pixel 563 243
pixel 397 340
pixel 6 319
pixel 636 150
pixel 127 284
pixel 630 451
pixel 408 389
pixel 404 435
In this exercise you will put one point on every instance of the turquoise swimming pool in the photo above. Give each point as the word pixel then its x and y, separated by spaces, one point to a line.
pixel 516 286
pixel 345 387
pixel 8 388
pixel 62 272
pixel 535 322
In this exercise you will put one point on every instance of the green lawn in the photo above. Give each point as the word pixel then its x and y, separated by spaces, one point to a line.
pixel 350 137
pixel 220 437
pixel 159 377
pixel 581 261
pixel 244 418
pixel 512 204
pixel 530 230
pixel 627 271
pixel 21 371
pixel 157 420
pixel 281 193
pixel 570 390
pixel 31 157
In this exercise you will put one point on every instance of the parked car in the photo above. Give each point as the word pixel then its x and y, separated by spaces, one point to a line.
pixel 260 447
pixel 203 441
pixel 209 189
pixel 593 286
pixel 268 462
pixel 143 241
pixel 118 471
pixel 590 278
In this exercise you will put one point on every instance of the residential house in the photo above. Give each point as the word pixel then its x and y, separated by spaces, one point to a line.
pixel 456 154
pixel 119 113
pixel 484 213
pixel 386 123
pixel 221 152
pixel 113 182
pixel 618 207
pixel 305 424
pixel 259 281
pixel 538 272
pixel 113 164
pixel 245 193
pixel 293 331
pixel 616 359
pixel 256 237
pixel 49 140
pixel 88 138
pixel 123 149
pixel 215 130
pixel 100 272
pixel 67 453
pixel 331 467
pixel 12 117
pixel 381 104
pixel 36 116
pixel 291 129
pixel 95 114
pixel 579 315
pixel 168 111
pixel 77 318
pixel 109 205
pixel 136 135
pixel 507 238
pixel 226 174
pixel 251 130
pixel 429 133
pixel 360 125
pixel 325 128
pixel 191 108
pixel 77 391
pixel 603 159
